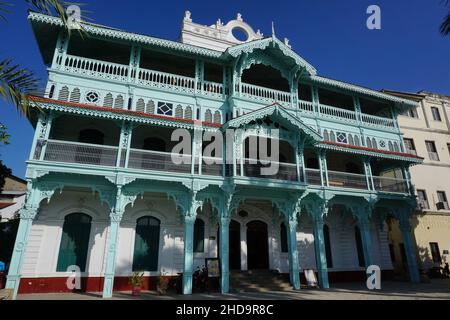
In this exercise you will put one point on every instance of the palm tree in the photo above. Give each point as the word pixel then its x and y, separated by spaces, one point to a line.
pixel 445 26
pixel 16 82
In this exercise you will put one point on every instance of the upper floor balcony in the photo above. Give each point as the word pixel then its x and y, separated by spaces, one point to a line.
pixel 213 83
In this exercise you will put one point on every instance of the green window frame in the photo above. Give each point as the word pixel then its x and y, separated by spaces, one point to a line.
pixel 146 244
pixel 73 249
pixel 199 235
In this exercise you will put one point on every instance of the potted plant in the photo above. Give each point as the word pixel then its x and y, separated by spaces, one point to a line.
pixel 162 284
pixel 136 280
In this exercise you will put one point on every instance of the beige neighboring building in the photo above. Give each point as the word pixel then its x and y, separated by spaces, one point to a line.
pixel 426 132
pixel 12 197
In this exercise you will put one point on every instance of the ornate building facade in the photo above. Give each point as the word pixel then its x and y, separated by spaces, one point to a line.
pixel 105 195
pixel 426 132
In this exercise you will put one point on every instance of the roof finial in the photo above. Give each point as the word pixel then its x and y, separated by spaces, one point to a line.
pixel 273 29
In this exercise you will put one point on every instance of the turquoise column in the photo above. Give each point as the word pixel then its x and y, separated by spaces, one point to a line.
pixel 366 238
pixel 408 242
pixel 26 221
pixel 319 245
pixel 111 245
pixel 189 221
pixel 224 225
pixel 294 265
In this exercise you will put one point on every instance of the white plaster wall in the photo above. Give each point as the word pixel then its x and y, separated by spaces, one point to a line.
pixel 42 251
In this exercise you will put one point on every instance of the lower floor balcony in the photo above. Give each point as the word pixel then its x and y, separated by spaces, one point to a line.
pixel 149 160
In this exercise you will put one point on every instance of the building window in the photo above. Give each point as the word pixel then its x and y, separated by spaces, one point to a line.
pixel 442 201
pixel 73 249
pixel 146 244
pixel 422 199
pixel 435 253
pixel 448 147
pixel 165 109
pixel 410 146
pixel 326 239
pixel 432 151
pixel 341 137
pixel 283 238
pixel 199 235
pixel 436 114
pixel 412 113
pixel 359 247
pixel 91 96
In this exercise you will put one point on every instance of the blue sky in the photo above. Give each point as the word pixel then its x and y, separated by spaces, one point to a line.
pixel 407 54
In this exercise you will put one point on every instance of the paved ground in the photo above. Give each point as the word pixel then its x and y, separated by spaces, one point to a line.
pixel 436 289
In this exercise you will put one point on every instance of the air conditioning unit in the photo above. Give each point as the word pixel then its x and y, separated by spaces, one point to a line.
pixel 440 205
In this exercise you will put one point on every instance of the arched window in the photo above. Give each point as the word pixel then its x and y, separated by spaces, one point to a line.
pixel 199 235
pixel 396 148
pixel 390 146
pixel 73 249
pixel 150 107
pixel 208 116
pixel 326 239
pixel 146 244
pixel 108 101
pixel 179 112
pixel 332 136
pixel 188 113
pixel 357 140
pixel 63 94
pixel 369 143
pixel 52 91
pixel 118 103
pixel 217 117
pixel 283 238
pixel 140 105
pixel 75 95
pixel 359 247
pixel 350 140
pixel 326 137
pixel 374 143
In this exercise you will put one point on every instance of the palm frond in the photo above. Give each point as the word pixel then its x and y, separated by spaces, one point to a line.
pixel 4 9
pixel 16 84
pixel 445 26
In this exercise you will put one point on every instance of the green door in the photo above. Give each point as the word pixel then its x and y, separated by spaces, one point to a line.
pixel 74 242
pixel 146 244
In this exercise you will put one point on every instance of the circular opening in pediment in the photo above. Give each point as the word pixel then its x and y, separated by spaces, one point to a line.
pixel 240 34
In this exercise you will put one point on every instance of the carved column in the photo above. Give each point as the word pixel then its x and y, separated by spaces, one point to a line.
pixel 294 265
pixel 319 245
pixel 408 242
pixel 44 134
pixel 115 216
pixel 224 224
pixel 363 216
pixel 190 214
pixel 123 153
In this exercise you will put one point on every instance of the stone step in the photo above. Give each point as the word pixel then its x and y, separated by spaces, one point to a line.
pixel 258 281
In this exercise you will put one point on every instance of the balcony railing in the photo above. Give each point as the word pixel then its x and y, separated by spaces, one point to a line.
pixel 347 180
pixel 285 171
pixel 164 80
pixel 265 94
pixel 159 161
pixel 81 153
pixel 333 112
pixel 387 184
pixel 101 155
pixel 313 176
pixel 212 166
pixel 167 81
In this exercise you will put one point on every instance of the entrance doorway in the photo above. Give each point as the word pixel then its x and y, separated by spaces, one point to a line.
pixel 257 245
pixel 234 245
